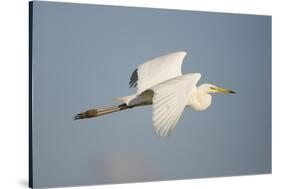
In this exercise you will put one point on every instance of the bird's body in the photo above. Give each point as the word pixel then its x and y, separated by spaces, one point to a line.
pixel 160 82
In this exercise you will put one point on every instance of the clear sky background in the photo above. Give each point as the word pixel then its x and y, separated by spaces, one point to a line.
pixel 83 56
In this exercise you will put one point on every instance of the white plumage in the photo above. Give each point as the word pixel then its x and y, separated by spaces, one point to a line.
pixel 171 89
pixel 160 82
pixel 169 101
pixel 158 70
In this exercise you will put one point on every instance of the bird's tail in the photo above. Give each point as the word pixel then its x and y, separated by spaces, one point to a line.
pixel 101 111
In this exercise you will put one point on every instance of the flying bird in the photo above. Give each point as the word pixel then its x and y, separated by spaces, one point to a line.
pixel 160 83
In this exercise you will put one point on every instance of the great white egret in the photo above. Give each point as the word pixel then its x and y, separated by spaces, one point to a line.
pixel 160 82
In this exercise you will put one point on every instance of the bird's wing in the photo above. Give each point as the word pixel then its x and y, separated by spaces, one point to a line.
pixel 169 101
pixel 157 70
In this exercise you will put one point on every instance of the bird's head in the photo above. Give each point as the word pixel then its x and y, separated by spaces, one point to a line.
pixel 204 97
pixel 210 88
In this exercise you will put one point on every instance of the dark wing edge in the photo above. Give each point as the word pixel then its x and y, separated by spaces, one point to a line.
pixel 134 79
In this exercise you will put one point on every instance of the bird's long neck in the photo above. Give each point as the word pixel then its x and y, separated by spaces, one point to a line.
pixel 202 99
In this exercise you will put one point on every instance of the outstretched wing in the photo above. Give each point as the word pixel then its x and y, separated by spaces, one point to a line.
pixel 157 70
pixel 169 101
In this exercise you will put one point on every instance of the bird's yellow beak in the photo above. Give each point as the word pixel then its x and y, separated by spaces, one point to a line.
pixel 222 90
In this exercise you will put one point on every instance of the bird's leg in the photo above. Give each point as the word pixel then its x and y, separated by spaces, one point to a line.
pixel 99 111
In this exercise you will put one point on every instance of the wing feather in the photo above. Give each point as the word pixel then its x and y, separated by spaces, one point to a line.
pixel 157 70
pixel 169 101
pixel 134 78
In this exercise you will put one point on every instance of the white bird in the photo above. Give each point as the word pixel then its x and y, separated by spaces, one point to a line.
pixel 160 82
